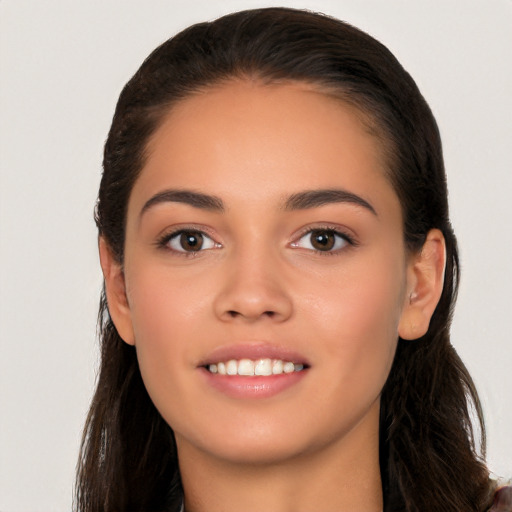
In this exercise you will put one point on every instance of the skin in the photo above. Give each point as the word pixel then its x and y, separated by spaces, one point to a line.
pixel 313 446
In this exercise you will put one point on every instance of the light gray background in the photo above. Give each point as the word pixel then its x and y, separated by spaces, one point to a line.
pixel 63 64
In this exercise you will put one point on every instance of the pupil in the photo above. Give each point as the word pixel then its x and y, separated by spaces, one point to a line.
pixel 191 241
pixel 323 240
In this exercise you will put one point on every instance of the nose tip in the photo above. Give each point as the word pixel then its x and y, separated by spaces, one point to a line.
pixel 249 296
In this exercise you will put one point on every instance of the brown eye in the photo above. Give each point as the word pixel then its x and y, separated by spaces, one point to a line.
pixel 323 240
pixel 190 241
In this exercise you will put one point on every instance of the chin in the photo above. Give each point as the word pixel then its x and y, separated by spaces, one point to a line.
pixel 256 445
pixel 256 452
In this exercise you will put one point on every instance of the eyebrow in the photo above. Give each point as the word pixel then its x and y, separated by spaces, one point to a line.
pixel 195 199
pixel 298 201
pixel 315 198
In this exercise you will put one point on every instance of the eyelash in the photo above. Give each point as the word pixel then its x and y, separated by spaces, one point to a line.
pixel 164 240
pixel 348 239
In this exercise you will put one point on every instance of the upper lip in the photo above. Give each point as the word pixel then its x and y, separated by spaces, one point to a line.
pixel 254 351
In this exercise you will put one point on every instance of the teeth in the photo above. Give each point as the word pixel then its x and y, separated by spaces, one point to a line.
pixel 260 367
pixel 263 367
pixel 277 367
pixel 231 367
pixel 288 367
pixel 245 367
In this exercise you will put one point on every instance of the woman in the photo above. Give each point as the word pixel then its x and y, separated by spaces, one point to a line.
pixel 280 272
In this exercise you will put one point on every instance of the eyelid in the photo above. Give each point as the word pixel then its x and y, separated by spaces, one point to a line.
pixel 337 230
pixel 168 234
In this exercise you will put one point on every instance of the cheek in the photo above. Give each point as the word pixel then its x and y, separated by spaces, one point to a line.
pixel 358 321
pixel 171 311
pixel 165 306
pixel 161 319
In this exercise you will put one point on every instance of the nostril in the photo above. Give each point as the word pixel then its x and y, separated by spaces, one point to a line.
pixel 234 314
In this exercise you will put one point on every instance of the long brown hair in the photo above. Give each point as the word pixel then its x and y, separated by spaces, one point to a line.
pixel 428 451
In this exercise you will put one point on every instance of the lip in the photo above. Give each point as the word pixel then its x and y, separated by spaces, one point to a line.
pixel 237 386
pixel 257 350
pixel 253 387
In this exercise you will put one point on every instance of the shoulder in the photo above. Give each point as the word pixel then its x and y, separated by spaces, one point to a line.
pixel 502 500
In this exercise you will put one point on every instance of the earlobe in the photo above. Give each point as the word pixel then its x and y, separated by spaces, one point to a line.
pixel 115 290
pixel 425 279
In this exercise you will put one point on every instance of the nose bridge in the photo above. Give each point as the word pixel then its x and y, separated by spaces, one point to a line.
pixel 253 285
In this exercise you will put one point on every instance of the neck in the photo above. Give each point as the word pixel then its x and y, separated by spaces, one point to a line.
pixel 342 477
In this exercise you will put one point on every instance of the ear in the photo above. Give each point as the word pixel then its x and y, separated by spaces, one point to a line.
pixel 115 290
pixel 425 279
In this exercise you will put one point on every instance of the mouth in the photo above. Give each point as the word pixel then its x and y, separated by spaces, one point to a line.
pixel 254 368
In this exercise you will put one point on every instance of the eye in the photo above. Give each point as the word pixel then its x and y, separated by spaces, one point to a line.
pixel 323 240
pixel 190 241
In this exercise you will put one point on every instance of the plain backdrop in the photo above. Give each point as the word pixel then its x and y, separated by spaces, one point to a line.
pixel 62 66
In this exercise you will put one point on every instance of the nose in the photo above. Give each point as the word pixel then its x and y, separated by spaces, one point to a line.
pixel 252 289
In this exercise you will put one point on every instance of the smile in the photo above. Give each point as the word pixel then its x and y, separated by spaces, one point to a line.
pixel 253 368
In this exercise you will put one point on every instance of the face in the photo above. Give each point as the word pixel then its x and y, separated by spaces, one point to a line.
pixel 263 237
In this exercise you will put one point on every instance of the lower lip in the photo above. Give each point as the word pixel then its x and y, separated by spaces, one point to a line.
pixel 238 386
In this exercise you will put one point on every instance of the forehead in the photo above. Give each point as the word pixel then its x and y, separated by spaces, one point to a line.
pixel 247 140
